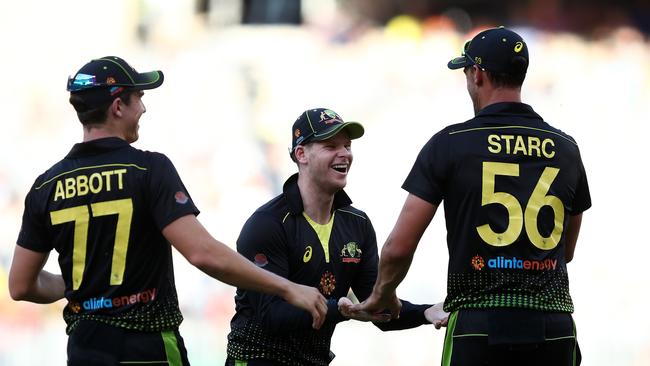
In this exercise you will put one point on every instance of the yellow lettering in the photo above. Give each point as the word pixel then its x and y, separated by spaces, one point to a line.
pixel 546 153
pixel 120 173
pixel 533 144
pixel 494 147
pixel 507 138
pixel 95 187
pixel 82 185
pixel 520 146
pixel 59 193
pixel 70 190
pixel 107 175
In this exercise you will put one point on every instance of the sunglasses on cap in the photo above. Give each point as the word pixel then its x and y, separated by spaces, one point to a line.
pixel 84 81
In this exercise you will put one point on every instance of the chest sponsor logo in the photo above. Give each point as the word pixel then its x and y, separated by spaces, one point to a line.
pixel 351 253
pixel 478 263
pixel 327 283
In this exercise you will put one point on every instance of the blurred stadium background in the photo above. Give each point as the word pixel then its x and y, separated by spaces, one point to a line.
pixel 239 72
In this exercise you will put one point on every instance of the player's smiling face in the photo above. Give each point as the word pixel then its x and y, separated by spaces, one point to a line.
pixel 329 161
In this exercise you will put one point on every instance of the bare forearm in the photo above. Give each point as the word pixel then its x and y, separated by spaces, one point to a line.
pixel 393 267
pixel 230 267
pixel 47 288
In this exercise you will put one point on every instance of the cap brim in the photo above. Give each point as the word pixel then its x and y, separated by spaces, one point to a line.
pixel 149 80
pixel 459 62
pixel 354 129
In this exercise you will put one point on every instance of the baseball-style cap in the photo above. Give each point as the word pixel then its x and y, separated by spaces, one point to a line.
pixel 320 124
pixel 104 78
pixel 492 50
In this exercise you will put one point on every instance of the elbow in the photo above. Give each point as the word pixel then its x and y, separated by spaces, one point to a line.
pixel 395 254
pixel 568 257
pixel 208 263
pixel 18 292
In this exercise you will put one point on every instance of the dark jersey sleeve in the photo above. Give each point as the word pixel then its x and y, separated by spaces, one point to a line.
pixel 410 315
pixel 582 198
pixel 168 197
pixel 428 176
pixel 263 241
pixel 366 275
pixel 33 231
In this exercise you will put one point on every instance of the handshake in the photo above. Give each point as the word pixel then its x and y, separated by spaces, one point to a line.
pixel 434 314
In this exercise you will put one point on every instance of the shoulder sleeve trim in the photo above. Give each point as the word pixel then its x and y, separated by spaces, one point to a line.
pixel 353 213
pixel 85 168
pixel 511 127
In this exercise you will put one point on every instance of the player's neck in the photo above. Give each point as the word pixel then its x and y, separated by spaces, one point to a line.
pixel 317 204
pixel 100 131
pixel 499 95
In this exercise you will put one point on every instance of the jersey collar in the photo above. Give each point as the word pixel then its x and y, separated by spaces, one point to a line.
pixel 509 108
pixel 292 193
pixel 95 147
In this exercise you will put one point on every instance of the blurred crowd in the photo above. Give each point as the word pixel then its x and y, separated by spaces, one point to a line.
pixel 224 113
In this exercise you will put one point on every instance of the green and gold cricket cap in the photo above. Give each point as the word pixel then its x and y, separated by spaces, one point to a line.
pixel 320 124
pixel 103 79
pixel 493 50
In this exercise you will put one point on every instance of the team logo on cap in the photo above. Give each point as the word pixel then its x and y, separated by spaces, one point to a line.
pixel 297 133
pixel 329 116
pixel 110 80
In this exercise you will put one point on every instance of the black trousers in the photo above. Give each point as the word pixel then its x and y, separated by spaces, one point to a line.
pixel 510 337
pixel 94 343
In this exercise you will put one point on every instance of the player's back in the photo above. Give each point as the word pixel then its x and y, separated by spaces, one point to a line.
pixel 509 182
pixel 103 208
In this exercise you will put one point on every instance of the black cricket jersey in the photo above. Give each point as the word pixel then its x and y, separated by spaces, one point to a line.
pixel 279 238
pixel 102 208
pixel 509 182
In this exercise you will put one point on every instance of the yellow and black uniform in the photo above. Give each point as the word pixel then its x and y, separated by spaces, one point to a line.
pixel 334 258
pixel 509 182
pixel 102 208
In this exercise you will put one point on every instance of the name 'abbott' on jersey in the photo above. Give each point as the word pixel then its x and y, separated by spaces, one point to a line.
pixel 509 182
pixel 102 208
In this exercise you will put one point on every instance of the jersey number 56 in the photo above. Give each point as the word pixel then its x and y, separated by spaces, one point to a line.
pixel 518 218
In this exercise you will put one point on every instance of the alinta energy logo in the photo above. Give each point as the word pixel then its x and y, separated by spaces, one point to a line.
pixel 98 303
pixel 477 262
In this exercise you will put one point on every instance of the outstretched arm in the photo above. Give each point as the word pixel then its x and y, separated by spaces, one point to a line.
pixel 216 259
pixel 397 254
pixel 28 281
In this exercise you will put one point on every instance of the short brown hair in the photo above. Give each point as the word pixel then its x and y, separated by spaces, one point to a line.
pixel 89 113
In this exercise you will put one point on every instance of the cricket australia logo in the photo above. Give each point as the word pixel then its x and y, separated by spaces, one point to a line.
pixel 351 253
pixel 329 116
